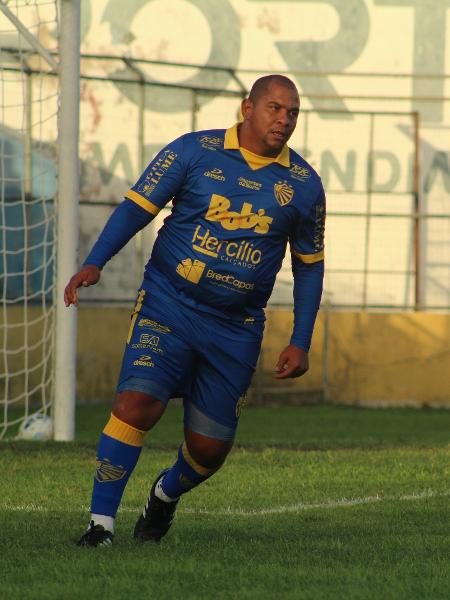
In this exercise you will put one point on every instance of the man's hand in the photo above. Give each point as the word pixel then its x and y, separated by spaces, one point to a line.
pixel 293 362
pixel 88 275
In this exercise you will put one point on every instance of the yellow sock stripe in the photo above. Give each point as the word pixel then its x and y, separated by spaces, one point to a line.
pixel 123 432
pixel 203 471
pixel 135 313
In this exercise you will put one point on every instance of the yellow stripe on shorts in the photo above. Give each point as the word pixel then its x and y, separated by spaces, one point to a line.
pixel 135 313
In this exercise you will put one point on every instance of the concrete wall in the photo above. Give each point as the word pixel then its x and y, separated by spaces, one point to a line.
pixel 345 56
pixel 385 359
pixel 369 358
pixel 351 58
pixel 359 61
pixel 372 359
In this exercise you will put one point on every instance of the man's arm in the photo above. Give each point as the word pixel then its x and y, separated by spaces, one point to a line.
pixel 126 220
pixel 307 244
pixel 308 281
pixel 159 182
pixel 88 275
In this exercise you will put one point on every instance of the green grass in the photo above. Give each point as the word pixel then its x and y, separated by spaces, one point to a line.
pixel 313 503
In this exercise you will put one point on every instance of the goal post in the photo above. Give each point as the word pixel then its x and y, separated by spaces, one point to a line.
pixel 39 197
pixel 67 218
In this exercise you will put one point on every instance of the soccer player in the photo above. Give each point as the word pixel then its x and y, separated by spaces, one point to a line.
pixel 239 196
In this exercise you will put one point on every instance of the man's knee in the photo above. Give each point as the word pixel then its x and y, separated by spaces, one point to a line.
pixel 137 409
pixel 207 452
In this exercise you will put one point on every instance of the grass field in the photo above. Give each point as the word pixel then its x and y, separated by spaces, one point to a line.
pixel 314 503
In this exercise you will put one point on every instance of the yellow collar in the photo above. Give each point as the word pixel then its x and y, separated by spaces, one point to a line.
pixel 232 143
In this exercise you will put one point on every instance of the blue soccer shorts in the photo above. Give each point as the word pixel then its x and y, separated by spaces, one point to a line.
pixel 174 350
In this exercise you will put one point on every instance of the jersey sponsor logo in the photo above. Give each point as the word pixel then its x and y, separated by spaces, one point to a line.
pixel 300 173
pixel 106 471
pixel 231 221
pixel 284 192
pixel 249 184
pixel 319 228
pixel 210 142
pixel 157 171
pixel 144 361
pixel 240 253
pixel 216 174
pixel 192 270
pixel 229 280
pixel 153 325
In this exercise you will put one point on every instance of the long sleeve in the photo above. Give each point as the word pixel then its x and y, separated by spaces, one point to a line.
pixel 159 182
pixel 307 248
pixel 308 283
pixel 126 220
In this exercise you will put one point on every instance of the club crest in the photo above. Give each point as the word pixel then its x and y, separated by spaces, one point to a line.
pixel 108 472
pixel 284 192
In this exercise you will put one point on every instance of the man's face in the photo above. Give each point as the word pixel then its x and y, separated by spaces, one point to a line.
pixel 272 118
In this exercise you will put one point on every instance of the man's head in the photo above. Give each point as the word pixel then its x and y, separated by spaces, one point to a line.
pixel 270 115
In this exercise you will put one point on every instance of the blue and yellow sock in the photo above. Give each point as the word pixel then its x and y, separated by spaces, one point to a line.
pixel 185 474
pixel 118 452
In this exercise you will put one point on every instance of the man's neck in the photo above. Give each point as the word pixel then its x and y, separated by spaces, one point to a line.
pixel 246 143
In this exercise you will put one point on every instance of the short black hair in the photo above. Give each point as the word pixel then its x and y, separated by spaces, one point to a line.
pixel 259 88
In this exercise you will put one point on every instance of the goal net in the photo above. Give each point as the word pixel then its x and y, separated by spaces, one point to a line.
pixel 28 184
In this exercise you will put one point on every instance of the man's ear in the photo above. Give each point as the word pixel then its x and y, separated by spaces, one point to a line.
pixel 246 108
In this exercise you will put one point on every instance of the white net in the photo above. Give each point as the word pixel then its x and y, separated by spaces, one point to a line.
pixel 28 131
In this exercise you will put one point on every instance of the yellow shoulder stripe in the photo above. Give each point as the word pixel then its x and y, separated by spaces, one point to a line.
pixel 143 202
pixel 309 258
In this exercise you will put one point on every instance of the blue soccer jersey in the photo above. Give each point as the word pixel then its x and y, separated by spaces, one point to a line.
pixel 233 212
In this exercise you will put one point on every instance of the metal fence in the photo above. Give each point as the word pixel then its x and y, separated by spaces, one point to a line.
pixel 388 247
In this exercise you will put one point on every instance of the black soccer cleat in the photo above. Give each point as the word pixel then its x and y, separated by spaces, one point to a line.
pixel 96 535
pixel 156 518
